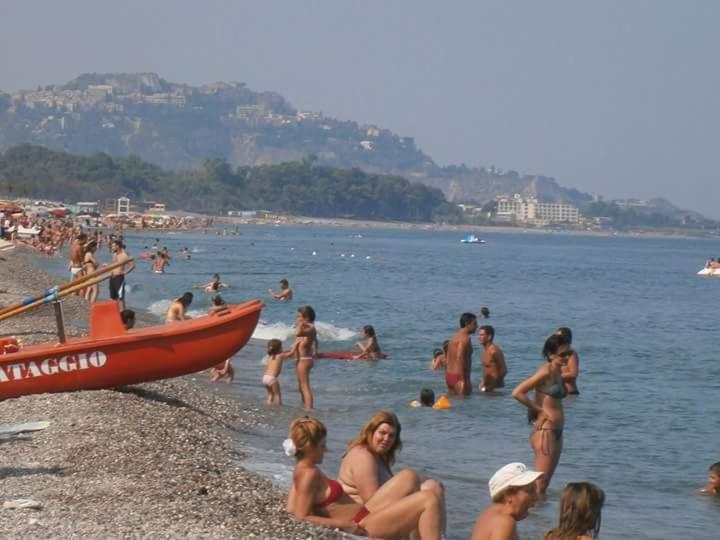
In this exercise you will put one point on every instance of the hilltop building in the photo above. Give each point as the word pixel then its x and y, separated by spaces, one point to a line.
pixel 530 210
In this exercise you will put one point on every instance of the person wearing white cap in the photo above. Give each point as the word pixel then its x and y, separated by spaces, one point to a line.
pixel 513 492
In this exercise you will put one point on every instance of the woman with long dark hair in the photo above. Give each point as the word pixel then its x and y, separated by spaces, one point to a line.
pixel 545 410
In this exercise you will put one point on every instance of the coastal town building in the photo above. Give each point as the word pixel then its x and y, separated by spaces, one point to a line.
pixel 530 210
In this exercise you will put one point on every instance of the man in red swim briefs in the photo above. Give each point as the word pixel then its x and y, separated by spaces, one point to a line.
pixel 459 357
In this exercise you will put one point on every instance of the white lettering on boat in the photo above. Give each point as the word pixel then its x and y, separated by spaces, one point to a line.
pixel 52 366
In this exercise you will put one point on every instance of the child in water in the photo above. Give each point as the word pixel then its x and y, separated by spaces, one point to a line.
pixel 371 349
pixel 275 358
pixel 224 369
pixel 713 485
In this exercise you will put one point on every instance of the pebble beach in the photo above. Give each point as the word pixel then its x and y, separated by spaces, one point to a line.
pixel 156 460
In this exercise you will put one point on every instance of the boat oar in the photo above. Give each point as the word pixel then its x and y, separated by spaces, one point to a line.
pixel 34 298
pixel 56 295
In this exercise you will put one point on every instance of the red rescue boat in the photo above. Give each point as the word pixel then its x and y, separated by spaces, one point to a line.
pixel 111 356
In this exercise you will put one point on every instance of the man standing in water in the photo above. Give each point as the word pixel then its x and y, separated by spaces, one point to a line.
pixel 285 294
pixel 493 361
pixel 117 275
pixel 459 357
pixel 76 256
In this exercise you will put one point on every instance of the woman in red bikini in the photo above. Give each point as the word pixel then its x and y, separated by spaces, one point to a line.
pixel 392 511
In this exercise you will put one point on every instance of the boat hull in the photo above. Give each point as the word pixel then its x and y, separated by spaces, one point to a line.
pixel 148 354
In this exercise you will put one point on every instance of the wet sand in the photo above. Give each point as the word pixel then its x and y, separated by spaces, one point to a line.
pixel 157 460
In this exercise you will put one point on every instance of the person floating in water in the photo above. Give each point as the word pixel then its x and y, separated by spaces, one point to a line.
pixel 285 293
pixel 159 262
pixel 484 313
pixel 713 485
pixel 370 349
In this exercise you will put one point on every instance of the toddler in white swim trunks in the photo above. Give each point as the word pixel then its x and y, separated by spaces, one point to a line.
pixel 275 357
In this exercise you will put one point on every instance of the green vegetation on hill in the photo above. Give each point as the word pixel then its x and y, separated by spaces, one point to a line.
pixel 295 187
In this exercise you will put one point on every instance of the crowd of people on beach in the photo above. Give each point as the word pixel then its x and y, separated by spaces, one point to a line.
pixel 368 497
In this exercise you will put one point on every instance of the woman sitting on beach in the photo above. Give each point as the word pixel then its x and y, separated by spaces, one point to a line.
pixel 370 349
pixel 366 464
pixel 580 513
pixel 391 512
pixel 545 412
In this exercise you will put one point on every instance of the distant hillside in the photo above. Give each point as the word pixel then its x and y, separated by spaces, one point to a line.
pixel 178 126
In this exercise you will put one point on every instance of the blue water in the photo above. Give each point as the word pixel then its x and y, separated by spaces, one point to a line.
pixel 645 428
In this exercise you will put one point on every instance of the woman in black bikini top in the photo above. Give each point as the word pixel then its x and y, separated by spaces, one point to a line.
pixel 545 412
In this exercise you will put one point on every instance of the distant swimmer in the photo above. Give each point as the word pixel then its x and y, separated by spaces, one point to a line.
pixel 371 348
pixel 459 357
pixel 285 293
pixel 571 370
pixel 159 263
pixel 484 313
pixel 713 485
pixel 493 360
pixel 178 308
pixel 214 286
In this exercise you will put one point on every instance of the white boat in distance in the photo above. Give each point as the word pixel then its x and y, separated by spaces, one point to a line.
pixel 472 239
pixel 709 272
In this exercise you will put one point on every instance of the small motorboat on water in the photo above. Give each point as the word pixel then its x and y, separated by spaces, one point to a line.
pixel 472 239
pixel 111 356
pixel 709 272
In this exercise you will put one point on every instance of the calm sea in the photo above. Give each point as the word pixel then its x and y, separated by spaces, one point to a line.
pixel 645 427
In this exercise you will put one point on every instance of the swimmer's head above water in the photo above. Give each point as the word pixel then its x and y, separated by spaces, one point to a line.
pixel 427 397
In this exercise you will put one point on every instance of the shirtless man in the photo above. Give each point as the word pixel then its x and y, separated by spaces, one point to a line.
pixel 285 294
pixel 513 492
pixel 117 275
pixel 76 256
pixel 306 346
pixel 459 357
pixel 178 307
pixel 493 361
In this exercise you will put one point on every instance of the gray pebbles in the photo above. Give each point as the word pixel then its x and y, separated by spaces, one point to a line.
pixel 155 460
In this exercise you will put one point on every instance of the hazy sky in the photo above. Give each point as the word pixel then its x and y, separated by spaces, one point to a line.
pixel 619 97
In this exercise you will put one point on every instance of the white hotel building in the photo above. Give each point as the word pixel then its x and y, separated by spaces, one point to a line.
pixel 531 211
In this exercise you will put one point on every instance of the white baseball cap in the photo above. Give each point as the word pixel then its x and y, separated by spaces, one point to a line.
pixel 512 474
